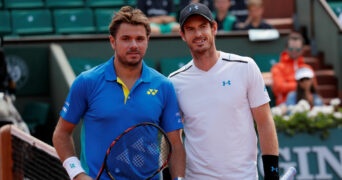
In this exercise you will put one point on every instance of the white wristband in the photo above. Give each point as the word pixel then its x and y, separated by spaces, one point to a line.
pixel 73 166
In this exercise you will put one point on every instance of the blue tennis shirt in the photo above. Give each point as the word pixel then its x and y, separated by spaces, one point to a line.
pixel 107 108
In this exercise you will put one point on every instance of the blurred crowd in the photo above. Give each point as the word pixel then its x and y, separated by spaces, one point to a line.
pixel 229 14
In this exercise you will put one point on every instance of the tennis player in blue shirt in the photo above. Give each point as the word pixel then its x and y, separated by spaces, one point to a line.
pixel 116 95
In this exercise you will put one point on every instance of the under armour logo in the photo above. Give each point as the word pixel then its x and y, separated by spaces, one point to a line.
pixel 152 92
pixel 274 169
pixel 224 83
pixel 195 7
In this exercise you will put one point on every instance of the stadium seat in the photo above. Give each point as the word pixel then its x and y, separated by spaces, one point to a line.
pixel 64 3
pixel 23 4
pixel 266 61
pixel 336 6
pixel 73 21
pixel 5 23
pixel 82 64
pixel 35 114
pixel 132 2
pixel 105 3
pixel 176 3
pixel 168 65
pixel 37 21
pixel 102 19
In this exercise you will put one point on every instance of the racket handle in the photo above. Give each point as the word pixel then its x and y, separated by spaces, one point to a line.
pixel 290 173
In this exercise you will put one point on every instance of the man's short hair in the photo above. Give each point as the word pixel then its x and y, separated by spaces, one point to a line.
pixel 129 15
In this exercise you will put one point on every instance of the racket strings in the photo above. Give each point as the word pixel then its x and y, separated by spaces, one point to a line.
pixel 138 154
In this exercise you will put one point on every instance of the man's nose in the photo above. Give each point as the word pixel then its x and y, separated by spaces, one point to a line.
pixel 198 32
pixel 134 43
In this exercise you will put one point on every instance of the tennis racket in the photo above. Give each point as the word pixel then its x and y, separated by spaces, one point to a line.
pixel 289 174
pixel 140 152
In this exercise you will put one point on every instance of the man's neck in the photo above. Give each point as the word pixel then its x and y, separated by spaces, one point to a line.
pixel 256 22
pixel 221 15
pixel 128 74
pixel 206 60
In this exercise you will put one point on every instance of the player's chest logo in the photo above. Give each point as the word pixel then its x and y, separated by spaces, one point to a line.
pixel 225 83
pixel 152 92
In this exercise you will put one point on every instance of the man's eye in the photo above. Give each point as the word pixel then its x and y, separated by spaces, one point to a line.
pixel 189 29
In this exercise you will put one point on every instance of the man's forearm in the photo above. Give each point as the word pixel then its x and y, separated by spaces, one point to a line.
pixel 177 162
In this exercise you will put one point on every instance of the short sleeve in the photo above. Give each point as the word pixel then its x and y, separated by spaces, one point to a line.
pixel 170 118
pixel 76 103
pixel 257 92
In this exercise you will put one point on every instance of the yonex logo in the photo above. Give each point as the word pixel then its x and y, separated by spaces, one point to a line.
pixel 152 92
pixel 226 83
pixel 72 165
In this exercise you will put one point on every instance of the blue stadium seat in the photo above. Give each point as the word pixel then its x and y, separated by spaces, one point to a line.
pixel 74 21
pixel 132 2
pixel 102 19
pixel 23 4
pixel 105 3
pixel 64 3
pixel 176 2
pixel 168 65
pixel 336 6
pixel 5 23
pixel 36 21
pixel 266 61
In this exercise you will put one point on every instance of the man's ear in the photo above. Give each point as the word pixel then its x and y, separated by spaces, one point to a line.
pixel 182 34
pixel 214 27
pixel 112 41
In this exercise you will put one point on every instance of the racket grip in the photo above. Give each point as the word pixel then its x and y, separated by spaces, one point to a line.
pixel 290 173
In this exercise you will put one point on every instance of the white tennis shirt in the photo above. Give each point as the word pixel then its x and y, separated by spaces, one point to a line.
pixel 220 138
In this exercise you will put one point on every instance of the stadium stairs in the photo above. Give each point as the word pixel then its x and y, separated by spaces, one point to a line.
pixel 326 79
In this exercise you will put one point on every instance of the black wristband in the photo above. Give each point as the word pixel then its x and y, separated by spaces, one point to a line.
pixel 271 170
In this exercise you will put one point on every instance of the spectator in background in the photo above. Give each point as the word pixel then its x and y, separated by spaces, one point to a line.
pixel 160 15
pixel 225 21
pixel 239 9
pixel 8 112
pixel 305 89
pixel 7 85
pixel 283 73
pixel 255 17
